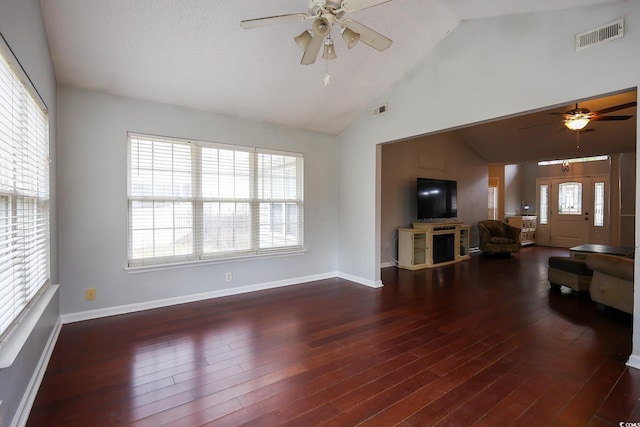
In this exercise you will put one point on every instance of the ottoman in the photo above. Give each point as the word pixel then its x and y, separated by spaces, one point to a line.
pixel 569 271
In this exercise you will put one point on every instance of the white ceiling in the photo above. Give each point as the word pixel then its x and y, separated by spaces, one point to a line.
pixel 193 53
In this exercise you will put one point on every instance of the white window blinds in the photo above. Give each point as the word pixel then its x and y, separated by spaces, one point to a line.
pixel 24 196
pixel 193 200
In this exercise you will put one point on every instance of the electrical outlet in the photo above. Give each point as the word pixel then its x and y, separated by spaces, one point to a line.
pixel 90 294
pixel 228 277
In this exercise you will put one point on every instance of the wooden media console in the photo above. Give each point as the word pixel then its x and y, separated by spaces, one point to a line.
pixel 432 244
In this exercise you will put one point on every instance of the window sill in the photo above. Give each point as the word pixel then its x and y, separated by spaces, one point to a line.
pixel 212 261
pixel 13 343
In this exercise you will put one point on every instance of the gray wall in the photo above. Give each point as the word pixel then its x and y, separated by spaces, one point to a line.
pixel 446 156
pixel 513 196
pixel 22 27
pixel 93 199
pixel 485 69
pixel 440 156
pixel 493 68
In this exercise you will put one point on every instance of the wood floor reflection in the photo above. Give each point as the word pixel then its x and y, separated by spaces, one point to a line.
pixel 483 343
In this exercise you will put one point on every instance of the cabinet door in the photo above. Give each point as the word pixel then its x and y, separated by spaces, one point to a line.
pixel 412 248
pixel 419 248
pixel 405 248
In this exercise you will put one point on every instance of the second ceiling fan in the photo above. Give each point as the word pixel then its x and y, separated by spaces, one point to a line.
pixel 577 118
pixel 326 14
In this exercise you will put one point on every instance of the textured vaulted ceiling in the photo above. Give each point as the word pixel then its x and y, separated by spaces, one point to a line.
pixel 194 53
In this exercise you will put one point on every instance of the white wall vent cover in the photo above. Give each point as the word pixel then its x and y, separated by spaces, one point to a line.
pixel 604 33
pixel 380 109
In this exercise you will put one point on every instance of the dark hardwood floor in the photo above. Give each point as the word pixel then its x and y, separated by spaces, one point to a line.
pixel 482 343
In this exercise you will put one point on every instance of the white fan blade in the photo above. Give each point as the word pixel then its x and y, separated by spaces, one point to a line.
pixel 355 5
pixel 274 20
pixel 369 36
pixel 321 27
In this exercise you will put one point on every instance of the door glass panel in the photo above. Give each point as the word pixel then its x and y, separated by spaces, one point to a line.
pixel 544 204
pixel 570 198
pixel 598 204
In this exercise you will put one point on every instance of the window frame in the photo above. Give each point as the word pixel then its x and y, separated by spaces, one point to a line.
pixel 599 203
pixel 492 211
pixel 543 203
pixel 25 146
pixel 199 196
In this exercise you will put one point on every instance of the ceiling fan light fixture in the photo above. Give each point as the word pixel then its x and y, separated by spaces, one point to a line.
pixel 576 123
pixel 329 50
pixel 321 25
pixel 350 37
pixel 303 39
pixel 325 15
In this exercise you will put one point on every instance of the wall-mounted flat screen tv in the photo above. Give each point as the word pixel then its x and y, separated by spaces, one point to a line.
pixel 437 198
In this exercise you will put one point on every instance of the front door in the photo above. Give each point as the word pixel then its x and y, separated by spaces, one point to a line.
pixel 570 219
pixel 577 211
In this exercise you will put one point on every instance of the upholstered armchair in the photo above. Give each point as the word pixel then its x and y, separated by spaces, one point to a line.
pixel 497 237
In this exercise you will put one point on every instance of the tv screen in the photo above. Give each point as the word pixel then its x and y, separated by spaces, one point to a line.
pixel 437 198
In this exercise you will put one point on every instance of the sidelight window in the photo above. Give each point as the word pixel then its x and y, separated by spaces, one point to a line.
pixel 493 203
pixel 598 204
pixel 544 204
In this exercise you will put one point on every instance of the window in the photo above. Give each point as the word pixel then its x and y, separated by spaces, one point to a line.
pixel 598 202
pixel 544 204
pixel 576 160
pixel 193 200
pixel 570 198
pixel 493 203
pixel 24 195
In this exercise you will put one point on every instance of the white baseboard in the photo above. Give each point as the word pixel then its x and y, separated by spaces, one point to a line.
pixel 148 305
pixel 26 404
pixel 361 281
pixel 634 361
pixel 387 264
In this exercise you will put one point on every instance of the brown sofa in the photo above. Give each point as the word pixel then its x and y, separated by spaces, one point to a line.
pixel 497 237
pixel 612 282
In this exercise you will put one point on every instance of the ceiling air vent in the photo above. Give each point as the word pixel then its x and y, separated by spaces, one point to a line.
pixel 380 109
pixel 604 33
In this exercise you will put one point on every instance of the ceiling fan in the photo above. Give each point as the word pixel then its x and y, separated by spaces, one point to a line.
pixel 577 118
pixel 325 14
